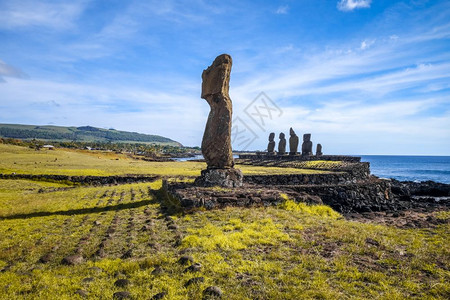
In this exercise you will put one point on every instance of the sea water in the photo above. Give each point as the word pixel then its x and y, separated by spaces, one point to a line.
pixel 412 168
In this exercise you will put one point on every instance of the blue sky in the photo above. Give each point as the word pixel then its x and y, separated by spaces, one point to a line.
pixel 363 77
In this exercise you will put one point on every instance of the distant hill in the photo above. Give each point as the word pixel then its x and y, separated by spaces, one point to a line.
pixel 80 134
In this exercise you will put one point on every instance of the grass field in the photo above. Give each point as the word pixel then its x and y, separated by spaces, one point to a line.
pixel 23 160
pixel 292 251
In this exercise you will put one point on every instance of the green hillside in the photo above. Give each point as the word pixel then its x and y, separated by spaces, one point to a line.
pixel 80 134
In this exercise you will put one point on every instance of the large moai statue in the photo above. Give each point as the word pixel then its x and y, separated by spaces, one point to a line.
pixel 216 143
pixel 319 150
pixel 282 144
pixel 293 142
pixel 307 145
pixel 271 145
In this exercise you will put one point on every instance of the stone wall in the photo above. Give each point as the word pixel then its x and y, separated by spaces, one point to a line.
pixel 293 179
pixel 190 197
pixel 371 195
pixel 358 170
pixel 88 180
pixel 264 155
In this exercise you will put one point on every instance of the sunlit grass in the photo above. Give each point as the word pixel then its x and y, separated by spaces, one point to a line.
pixel 289 251
pixel 23 160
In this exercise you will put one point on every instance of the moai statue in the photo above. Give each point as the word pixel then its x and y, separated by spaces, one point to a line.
pixel 216 143
pixel 319 150
pixel 307 145
pixel 282 145
pixel 271 145
pixel 293 142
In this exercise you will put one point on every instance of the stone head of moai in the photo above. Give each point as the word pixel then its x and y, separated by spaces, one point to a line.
pixel 271 136
pixel 307 137
pixel 292 132
pixel 216 78
pixel 282 136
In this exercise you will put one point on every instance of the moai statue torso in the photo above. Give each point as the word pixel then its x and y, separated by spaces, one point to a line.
pixel 282 145
pixel 293 142
pixel 271 145
pixel 319 150
pixel 307 144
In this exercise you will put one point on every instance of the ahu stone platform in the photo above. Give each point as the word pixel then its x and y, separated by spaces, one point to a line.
pixel 342 195
pixel 298 157
pixel 345 185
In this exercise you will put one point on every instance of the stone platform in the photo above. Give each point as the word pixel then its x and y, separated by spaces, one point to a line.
pixel 264 155
pixel 343 195
pixel 346 186
pixel 189 196
pixel 357 170
pixel 373 194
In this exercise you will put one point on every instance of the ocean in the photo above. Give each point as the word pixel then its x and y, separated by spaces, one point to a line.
pixel 413 168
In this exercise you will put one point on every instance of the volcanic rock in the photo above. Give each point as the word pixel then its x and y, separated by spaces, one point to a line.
pixel 212 291
pixel 72 260
pixel 121 295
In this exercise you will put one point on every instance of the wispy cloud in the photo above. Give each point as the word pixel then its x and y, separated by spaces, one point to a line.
pixel 120 106
pixel 10 71
pixel 282 10
pixel 366 44
pixel 352 92
pixel 138 69
pixel 26 13
pixel 350 5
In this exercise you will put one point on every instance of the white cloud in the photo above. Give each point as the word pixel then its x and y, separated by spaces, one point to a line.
pixel 180 115
pixel 360 100
pixel 349 5
pixel 366 44
pixel 10 71
pixel 395 91
pixel 27 13
pixel 394 37
pixel 282 10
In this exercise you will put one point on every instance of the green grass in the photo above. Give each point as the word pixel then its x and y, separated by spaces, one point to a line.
pixel 79 162
pixel 290 251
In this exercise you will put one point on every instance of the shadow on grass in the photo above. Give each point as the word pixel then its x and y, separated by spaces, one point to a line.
pixel 80 211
